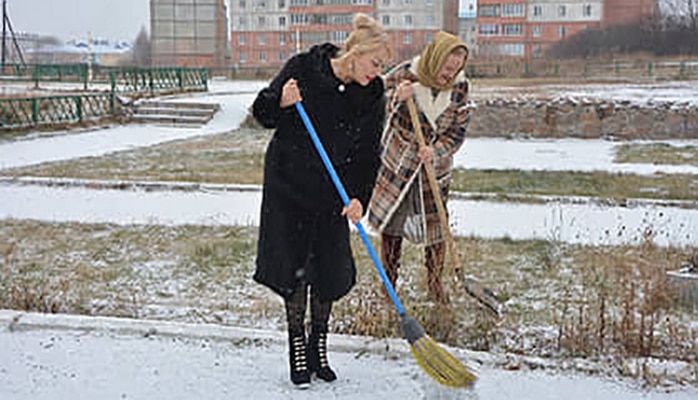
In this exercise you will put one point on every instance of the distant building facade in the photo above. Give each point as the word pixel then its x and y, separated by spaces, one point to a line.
pixel 525 28
pixel 190 33
pixel 267 32
pixel 95 52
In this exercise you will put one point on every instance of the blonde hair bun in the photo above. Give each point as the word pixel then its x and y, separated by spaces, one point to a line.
pixel 366 35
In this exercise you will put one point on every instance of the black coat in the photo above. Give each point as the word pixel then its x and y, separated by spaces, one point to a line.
pixel 302 235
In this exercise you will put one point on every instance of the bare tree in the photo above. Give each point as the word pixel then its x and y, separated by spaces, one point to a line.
pixel 141 49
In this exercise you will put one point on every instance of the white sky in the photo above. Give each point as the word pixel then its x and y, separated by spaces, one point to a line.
pixel 73 19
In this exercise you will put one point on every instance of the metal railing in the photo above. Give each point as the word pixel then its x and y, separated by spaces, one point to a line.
pixel 34 111
pixel 30 112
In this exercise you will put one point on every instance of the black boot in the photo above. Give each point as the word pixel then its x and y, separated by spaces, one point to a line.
pixel 317 355
pixel 300 375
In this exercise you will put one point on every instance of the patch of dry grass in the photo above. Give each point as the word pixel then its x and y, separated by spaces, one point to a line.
pixel 238 158
pixel 235 157
pixel 561 300
pixel 657 153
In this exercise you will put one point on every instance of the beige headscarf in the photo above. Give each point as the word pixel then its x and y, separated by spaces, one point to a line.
pixel 434 56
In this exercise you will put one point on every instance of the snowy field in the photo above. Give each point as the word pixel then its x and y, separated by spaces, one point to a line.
pixel 574 223
pixel 71 357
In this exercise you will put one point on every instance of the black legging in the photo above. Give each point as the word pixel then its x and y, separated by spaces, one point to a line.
pixel 295 310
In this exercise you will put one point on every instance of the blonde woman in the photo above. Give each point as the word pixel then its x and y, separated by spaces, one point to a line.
pixel 303 247
pixel 402 205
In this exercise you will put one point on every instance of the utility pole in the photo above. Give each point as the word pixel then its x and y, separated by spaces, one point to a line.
pixel 4 31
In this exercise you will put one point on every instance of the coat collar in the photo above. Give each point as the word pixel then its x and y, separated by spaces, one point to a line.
pixel 432 106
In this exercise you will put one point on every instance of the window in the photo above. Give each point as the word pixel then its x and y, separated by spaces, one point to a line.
pixel 431 3
pixel 537 11
pixel 262 4
pixel 561 31
pixel 386 20
pixel 407 39
pixel 261 21
pixel 282 21
pixel 489 10
pixel 430 37
pixel 512 49
pixel 299 19
pixel 243 58
pixel 282 3
pixel 562 11
pixel 262 56
pixel 512 10
pixel 386 2
pixel 407 20
pixel 241 39
pixel 537 50
pixel 339 36
pixel 512 29
pixel 587 10
pixel 489 29
pixel 431 21
pixel 261 39
pixel 282 56
pixel 537 31
pixel 282 39
pixel 243 4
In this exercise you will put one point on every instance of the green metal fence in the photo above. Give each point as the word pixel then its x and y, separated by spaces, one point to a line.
pixel 29 112
pixel 120 79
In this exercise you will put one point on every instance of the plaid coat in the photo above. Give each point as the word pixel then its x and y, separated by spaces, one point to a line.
pixel 444 119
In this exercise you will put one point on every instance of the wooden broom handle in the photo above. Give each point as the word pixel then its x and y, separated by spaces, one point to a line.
pixel 436 192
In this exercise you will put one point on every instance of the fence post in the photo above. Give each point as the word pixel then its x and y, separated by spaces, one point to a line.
pixel 85 75
pixel 78 107
pixel 150 80
pixel 617 68
pixel 471 70
pixel 557 69
pixel 37 75
pixel 682 68
pixel 35 110
pixel 649 67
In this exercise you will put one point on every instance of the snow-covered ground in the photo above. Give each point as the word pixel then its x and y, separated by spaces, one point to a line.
pixel 572 223
pixel 71 357
pixel 685 92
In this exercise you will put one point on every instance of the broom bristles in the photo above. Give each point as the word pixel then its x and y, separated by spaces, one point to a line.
pixel 440 364
pixel 433 359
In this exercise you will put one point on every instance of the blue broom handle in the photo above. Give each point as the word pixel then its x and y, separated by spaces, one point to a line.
pixel 345 199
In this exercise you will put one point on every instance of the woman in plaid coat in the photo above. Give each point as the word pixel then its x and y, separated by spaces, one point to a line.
pixel 402 205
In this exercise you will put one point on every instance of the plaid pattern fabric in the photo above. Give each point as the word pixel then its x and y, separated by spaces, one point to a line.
pixel 400 165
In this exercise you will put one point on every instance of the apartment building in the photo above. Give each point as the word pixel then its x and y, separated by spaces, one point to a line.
pixel 265 33
pixel 467 24
pixel 525 28
pixel 189 33
pixel 620 12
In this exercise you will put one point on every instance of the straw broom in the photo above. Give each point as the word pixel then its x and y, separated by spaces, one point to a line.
pixel 473 286
pixel 433 359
